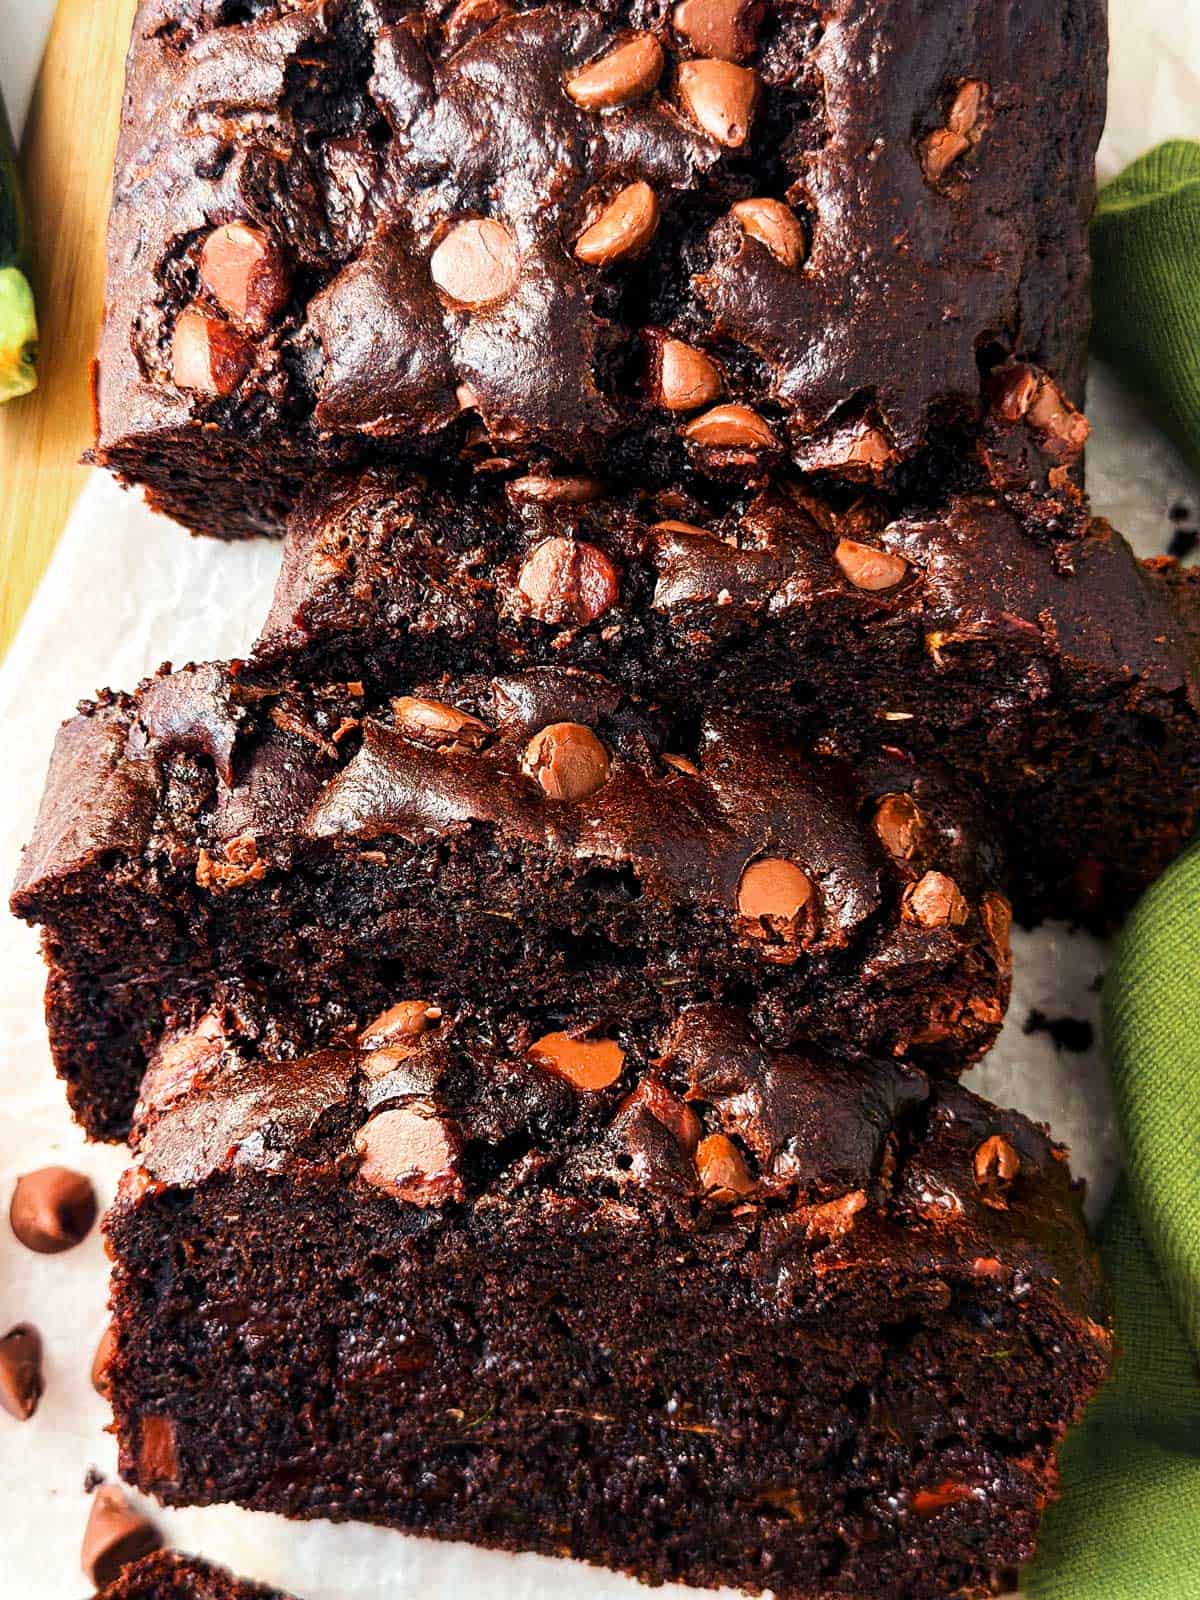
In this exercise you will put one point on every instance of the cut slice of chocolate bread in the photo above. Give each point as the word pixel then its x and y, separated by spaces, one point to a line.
pixel 166 1575
pixel 691 238
pixel 296 854
pixel 675 1303
pixel 1053 670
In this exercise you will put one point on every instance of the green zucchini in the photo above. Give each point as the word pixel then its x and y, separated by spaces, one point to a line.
pixel 18 315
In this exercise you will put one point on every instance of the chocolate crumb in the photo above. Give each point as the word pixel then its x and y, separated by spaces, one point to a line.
pixel 1182 542
pixel 1065 1033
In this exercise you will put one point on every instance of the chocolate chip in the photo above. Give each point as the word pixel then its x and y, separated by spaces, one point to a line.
pixel 925 1502
pixel 689 530
pixel 244 271
pixel 776 227
pixel 158 1461
pixel 682 377
pixel 722 1168
pixel 934 901
pixel 412 1154
pixel 52 1209
pixel 987 1267
pixel 868 568
pixel 476 263
pixel 208 356
pixel 586 1064
pixel 400 1024
pixel 116 1535
pixel 996 915
pixel 788 1502
pixel 996 1163
pixel 624 74
pixel 772 897
pixel 1063 428
pixel 900 826
pixel 721 28
pixel 730 427
pixel 940 150
pixel 21 1371
pixel 567 760
pixel 555 491
pixel 833 1218
pixel 1011 391
pixel 946 145
pixel 668 1109
pixel 472 17
pixel 102 1362
pixel 681 764
pixel 435 723
pixel 857 450
pixel 568 581
pixel 624 227
pixel 721 98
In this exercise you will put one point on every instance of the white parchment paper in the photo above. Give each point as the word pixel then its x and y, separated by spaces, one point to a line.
pixel 126 591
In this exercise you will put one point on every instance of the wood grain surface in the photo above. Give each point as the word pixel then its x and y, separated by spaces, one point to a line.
pixel 66 159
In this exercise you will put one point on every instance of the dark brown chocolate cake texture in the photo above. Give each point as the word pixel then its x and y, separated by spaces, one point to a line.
pixel 675 1303
pixel 708 236
pixel 166 1575
pixel 1043 662
pixel 292 855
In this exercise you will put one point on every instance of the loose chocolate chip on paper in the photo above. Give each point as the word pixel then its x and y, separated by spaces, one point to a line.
pixel 21 1371
pixel 115 1536
pixel 52 1209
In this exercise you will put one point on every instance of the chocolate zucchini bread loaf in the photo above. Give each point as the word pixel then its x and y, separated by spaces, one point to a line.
pixel 295 854
pixel 682 1305
pixel 166 1575
pixel 698 237
pixel 1047 665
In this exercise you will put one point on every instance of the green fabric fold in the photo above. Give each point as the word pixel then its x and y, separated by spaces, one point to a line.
pixel 1128 1526
pixel 1146 285
pixel 1152 1028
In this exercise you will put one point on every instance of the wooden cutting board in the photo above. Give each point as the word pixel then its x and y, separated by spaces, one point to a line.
pixel 67 164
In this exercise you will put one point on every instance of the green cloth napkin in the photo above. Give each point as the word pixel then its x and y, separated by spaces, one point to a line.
pixel 1128 1525
pixel 1146 285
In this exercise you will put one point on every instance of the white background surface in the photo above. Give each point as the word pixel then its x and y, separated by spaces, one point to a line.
pixel 126 591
